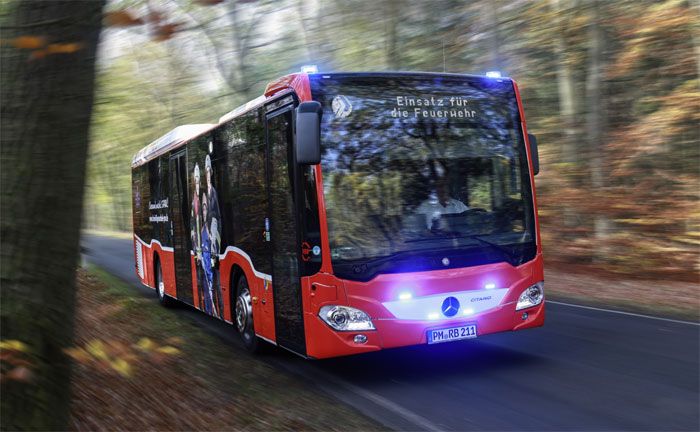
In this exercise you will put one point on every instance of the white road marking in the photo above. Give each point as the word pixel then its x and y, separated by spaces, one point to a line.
pixel 381 401
pixel 624 313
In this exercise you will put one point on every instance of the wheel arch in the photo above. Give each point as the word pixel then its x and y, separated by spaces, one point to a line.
pixel 156 263
pixel 235 274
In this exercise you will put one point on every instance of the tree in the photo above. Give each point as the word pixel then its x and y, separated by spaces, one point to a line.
pixel 48 72
pixel 566 88
pixel 595 125
pixel 393 16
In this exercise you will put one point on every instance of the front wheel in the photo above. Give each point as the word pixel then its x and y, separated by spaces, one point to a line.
pixel 165 300
pixel 244 316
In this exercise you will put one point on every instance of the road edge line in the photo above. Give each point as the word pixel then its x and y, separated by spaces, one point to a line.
pixel 623 313
pixel 321 378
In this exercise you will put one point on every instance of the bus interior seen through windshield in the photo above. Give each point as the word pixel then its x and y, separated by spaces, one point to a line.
pixel 419 167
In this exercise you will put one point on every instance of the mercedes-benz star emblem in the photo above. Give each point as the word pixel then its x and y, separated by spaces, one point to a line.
pixel 450 306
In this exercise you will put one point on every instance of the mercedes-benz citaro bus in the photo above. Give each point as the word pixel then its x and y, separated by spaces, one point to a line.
pixel 342 213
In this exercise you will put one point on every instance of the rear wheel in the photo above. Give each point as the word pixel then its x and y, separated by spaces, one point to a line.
pixel 160 288
pixel 244 316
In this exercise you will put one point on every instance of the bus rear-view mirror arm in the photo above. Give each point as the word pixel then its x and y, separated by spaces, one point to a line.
pixel 533 153
pixel 308 128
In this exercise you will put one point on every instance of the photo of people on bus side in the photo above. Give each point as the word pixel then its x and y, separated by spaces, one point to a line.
pixel 205 226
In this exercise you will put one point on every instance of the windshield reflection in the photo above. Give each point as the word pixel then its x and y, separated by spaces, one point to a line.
pixel 448 176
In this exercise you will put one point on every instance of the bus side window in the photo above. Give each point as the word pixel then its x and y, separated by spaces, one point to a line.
pixel 158 188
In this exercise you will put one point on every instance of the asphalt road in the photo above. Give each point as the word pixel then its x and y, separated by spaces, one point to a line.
pixel 585 369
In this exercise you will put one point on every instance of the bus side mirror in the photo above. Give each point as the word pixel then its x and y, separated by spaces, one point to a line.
pixel 308 125
pixel 533 153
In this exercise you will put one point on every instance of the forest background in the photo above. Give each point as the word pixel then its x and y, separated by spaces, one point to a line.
pixel 611 89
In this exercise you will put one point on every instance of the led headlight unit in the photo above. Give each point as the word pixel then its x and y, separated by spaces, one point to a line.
pixel 532 296
pixel 344 318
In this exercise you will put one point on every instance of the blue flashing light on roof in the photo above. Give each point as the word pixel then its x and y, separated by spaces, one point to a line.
pixel 493 74
pixel 309 69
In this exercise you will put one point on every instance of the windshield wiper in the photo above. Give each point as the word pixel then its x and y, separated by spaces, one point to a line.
pixel 504 252
pixel 500 248
pixel 423 239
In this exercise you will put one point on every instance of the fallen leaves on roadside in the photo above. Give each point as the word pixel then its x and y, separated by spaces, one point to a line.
pixel 63 48
pixel 13 345
pixel 28 42
pixel 15 362
pixel 21 373
pixel 120 357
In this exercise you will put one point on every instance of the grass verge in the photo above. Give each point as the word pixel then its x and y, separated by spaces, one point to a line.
pixel 671 299
pixel 140 366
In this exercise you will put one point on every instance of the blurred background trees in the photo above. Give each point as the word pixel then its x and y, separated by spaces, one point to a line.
pixel 612 90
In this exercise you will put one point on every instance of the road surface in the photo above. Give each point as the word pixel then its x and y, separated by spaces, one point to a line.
pixel 586 369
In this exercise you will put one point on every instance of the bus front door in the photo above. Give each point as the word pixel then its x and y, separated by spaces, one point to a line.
pixel 180 226
pixel 286 283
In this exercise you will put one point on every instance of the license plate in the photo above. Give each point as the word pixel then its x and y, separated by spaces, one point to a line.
pixel 451 334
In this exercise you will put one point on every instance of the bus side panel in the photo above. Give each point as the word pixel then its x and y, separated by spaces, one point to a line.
pixel 260 289
pixel 167 264
pixel 239 171
pixel 143 231
pixel 151 224
pixel 195 286
pixel 145 261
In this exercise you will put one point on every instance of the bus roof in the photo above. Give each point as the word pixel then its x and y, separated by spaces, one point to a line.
pixel 242 109
pixel 169 141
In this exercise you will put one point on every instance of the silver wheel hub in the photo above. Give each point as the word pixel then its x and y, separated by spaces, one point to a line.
pixel 243 311
pixel 161 288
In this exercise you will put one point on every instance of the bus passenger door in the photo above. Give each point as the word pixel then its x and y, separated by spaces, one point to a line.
pixel 286 284
pixel 180 226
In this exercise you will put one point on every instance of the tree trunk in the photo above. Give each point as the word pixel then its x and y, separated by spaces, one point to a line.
pixel 568 109
pixel 47 97
pixel 490 9
pixel 392 38
pixel 307 29
pixel 595 125
pixel 566 89
pixel 695 9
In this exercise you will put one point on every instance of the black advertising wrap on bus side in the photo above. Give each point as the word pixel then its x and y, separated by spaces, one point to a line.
pixel 423 172
pixel 241 167
pixel 213 194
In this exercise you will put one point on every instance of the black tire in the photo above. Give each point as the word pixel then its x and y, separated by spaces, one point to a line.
pixel 243 316
pixel 160 288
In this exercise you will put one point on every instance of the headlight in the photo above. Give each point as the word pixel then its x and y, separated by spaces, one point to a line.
pixel 343 318
pixel 532 296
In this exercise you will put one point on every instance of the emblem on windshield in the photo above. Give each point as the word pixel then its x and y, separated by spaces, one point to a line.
pixel 450 306
pixel 341 106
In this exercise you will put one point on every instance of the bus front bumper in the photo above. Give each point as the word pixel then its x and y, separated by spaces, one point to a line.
pixel 392 333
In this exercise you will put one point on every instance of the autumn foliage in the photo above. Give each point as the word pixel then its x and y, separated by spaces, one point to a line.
pixel 611 89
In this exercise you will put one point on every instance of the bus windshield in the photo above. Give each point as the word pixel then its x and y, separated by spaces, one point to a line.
pixel 423 172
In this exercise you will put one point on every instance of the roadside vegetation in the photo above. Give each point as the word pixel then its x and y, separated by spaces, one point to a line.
pixel 129 375
pixel 576 284
pixel 610 89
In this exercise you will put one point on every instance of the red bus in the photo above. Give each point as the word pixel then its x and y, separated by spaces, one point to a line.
pixel 341 213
